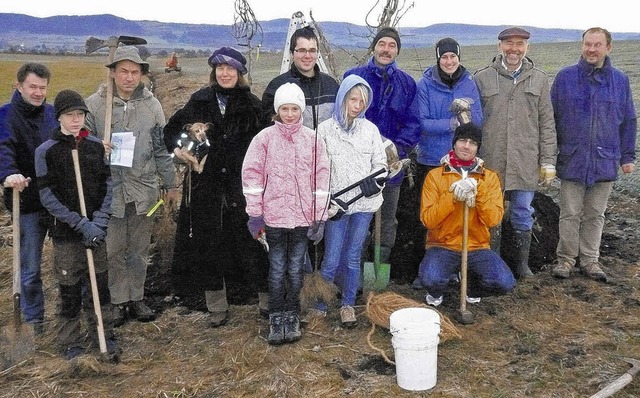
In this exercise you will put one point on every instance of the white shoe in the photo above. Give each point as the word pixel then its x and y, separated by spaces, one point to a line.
pixel 473 300
pixel 433 301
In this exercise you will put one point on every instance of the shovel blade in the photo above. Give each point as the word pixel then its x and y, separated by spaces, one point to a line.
pixel 17 344
pixel 368 277
pixel 375 276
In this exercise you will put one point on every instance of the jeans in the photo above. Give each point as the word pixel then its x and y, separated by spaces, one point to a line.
pixel 581 220
pixel 32 235
pixel 488 274
pixel 287 250
pixel 342 251
pixel 520 210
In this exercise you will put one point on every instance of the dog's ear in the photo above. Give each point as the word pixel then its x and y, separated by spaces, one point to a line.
pixel 208 125
pixel 187 127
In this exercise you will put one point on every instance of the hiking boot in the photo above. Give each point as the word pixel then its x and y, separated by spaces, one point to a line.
pixel 38 328
pixel 276 328
pixel 562 270
pixel 113 351
pixel 434 301
pixel 292 331
pixel 72 352
pixel 140 311
pixel 218 318
pixel 118 314
pixel 593 271
pixel 312 315
pixel 417 284
pixel 348 317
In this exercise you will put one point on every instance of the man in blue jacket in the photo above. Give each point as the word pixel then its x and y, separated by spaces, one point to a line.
pixel 394 110
pixel 25 123
pixel 596 125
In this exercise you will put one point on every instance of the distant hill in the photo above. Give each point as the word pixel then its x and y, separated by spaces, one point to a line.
pixel 69 33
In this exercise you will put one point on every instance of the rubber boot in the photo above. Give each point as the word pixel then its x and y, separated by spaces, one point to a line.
pixel 217 305
pixel 496 238
pixel 263 304
pixel 276 328
pixel 292 331
pixel 523 243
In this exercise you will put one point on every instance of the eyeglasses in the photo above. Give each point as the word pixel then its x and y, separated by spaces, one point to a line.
pixel 304 51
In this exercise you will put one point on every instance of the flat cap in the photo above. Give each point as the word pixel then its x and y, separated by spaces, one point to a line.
pixel 514 31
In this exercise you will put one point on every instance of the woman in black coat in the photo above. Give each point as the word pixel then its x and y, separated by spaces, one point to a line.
pixel 213 245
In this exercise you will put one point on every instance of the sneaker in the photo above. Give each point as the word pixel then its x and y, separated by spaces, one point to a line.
pixel 593 271
pixel 118 314
pixel 562 270
pixel 140 311
pixel 348 317
pixel 72 352
pixel 473 300
pixel 312 315
pixel 433 301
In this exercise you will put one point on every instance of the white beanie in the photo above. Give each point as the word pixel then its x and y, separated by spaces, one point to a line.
pixel 288 93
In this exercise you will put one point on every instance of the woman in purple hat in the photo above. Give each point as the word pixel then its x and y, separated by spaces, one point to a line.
pixel 212 238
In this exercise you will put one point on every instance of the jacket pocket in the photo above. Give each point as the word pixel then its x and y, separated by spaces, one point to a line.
pixel 607 163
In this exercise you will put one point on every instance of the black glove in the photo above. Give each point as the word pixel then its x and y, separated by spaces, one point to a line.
pixel 92 235
pixel 100 219
pixel 369 187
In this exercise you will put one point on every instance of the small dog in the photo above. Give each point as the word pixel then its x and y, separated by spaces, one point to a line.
pixel 194 145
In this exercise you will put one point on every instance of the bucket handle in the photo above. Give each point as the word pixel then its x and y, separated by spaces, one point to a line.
pixel 392 331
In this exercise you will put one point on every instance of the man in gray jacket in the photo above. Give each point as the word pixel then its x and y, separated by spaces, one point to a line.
pixel 135 184
pixel 519 140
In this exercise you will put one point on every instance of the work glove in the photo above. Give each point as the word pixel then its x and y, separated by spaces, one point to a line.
pixel 463 187
pixel 370 187
pixel 461 108
pixel 100 219
pixel 337 208
pixel 547 174
pixel 454 123
pixel 256 225
pixel 92 235
pixel 470 200
pixel 316 231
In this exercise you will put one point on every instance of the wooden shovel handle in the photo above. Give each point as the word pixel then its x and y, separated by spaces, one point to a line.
pixel 463 262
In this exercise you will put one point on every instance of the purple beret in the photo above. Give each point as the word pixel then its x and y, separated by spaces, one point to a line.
pixel 229 56
pixel 514 31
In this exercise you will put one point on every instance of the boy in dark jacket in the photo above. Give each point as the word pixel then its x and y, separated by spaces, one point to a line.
pixel 73 233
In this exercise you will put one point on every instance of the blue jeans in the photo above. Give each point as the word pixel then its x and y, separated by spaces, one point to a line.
pixel 488 275
pixel 343 240
pixel 287 250
pixel 520 210
pixel 32 234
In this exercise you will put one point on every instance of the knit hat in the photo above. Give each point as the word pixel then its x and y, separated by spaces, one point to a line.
pixel 467 130
pixel 288 93
pixel 129 53
pixel 386 32
pixel 229 56
pixel 67 101
pixel 447 45
pixel 514 31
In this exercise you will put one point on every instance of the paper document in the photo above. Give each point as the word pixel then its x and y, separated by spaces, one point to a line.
pixel 123 146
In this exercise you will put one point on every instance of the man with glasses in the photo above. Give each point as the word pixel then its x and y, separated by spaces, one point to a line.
pixel 394 111
pixel 319 88
pixel 519 134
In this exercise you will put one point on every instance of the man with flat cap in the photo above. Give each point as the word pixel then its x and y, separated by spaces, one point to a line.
pixel 519 140
pixel 135 186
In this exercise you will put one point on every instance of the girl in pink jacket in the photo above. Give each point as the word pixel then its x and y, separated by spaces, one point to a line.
pixel 285 180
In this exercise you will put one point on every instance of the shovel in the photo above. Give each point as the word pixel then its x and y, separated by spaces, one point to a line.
pixel 375 276
pixel 18 338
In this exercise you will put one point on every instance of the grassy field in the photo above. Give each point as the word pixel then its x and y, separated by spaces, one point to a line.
pixel 85 73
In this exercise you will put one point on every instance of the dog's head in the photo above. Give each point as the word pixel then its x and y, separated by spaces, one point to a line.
pixel 198 131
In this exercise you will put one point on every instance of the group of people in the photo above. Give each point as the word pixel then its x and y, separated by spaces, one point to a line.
pixel 309 162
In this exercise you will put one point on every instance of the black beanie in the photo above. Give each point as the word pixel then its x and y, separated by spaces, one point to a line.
pixel 386 32
pixel 67 101
pixel 447 45
pixel 467 130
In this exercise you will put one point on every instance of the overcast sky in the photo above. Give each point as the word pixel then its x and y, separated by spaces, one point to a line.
pixel 614 15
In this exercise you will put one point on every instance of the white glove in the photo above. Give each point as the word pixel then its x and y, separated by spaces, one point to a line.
pixel 471 199
pixel 463 187
pixel 547 174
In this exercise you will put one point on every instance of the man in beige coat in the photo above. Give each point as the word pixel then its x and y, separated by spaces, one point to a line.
pixel 519 140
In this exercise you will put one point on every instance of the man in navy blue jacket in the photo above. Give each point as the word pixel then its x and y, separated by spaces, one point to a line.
pixel 394 110
pixel 25 123
pixel 596 125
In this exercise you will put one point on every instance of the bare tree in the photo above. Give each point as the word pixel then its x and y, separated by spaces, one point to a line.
pixel 247 30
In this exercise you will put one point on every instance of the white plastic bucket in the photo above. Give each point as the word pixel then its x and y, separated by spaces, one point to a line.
pixel 415 342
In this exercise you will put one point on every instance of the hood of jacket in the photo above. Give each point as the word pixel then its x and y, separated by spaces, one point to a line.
pixel 339 108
